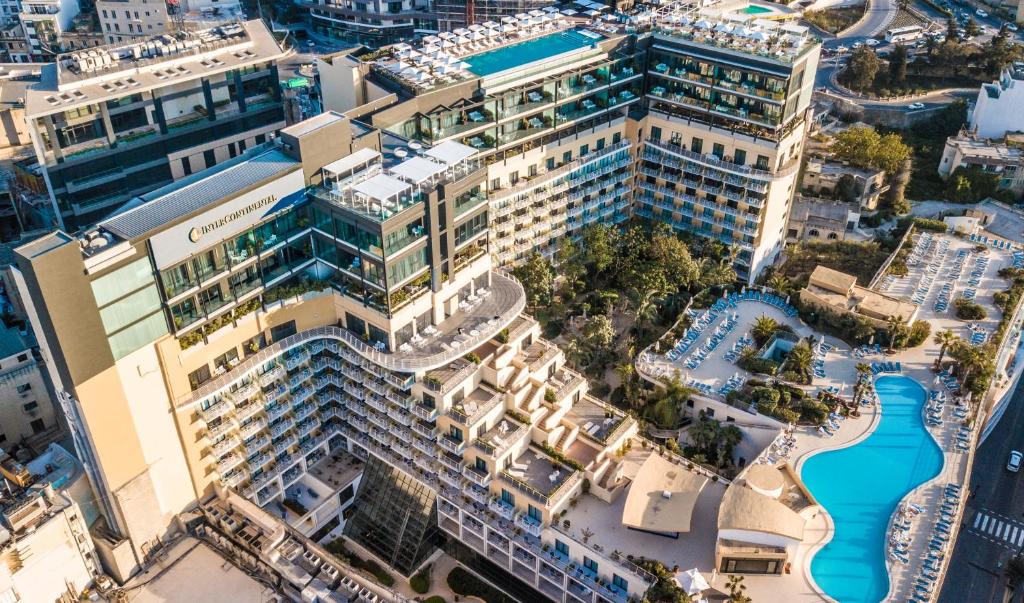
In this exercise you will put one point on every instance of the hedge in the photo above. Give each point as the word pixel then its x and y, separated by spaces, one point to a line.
pixel 929 224
pixel 420 583
pixel 466 584
pixel 919 332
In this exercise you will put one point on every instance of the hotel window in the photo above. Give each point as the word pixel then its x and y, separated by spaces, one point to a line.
pixel 584 150
pixel 697 145
pixel 739 157
pixel 551 163
pixel 567 157
pixel 619 582
pixel 507 497
pixel 122 281
pixel 616 137
pixel 513 178
pixel 590 564
pixel 561 548
pixel 534 513
pixel 481 464
pixel 600 144
pixel 718 150
pixel 761 163
pixel 655 133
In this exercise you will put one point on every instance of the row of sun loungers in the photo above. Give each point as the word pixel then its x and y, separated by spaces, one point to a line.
pixel 949 381
pixel 997 243
pixel 753 295
pixel 721 332
pixel 867 350
pixel 886 367
pixel 980 265
pixel 733 354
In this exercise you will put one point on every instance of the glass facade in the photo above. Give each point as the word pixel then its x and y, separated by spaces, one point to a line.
pixel 395 516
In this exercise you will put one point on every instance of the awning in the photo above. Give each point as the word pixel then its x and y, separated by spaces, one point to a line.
pixel 450 152
pixel 417 170
pixel 382 187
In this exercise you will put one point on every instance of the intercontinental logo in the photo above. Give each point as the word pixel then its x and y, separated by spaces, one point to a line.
pixel 197 232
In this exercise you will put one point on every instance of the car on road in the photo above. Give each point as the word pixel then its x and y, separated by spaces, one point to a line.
pixel 1014 463
pixel 841 49
pixel 857 44
pixel 871 42
pixel 981 13
pixel 1012 26
pixel 915 106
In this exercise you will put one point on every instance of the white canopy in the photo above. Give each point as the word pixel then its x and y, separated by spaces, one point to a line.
pixel 450 152
pixel 350 162
pixel 460 31
pixel 568 12
pixel 490 24
pixel 692 582
pixel 431 40
pixel 417 170
pixel 381 187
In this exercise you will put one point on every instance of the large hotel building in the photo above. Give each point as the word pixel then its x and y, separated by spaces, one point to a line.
pixel 323 320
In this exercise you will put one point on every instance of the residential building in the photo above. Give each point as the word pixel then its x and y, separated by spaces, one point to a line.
pixel 46 509
pixel 839 180
pixel 837 292
pixel 813 219
pixel 121 122
pixel 13 44
pixel 728 116
pixel 83 34
pixel 124 21
pixel 453 14
pixel 44 22
pixel 372 23
pixel 27 413
pixel 994 113
pixel 1003 157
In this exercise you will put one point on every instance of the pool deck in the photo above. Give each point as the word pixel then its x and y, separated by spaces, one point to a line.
pixel 840 368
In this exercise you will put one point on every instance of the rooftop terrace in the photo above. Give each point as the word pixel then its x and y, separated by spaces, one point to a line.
pixel 738 32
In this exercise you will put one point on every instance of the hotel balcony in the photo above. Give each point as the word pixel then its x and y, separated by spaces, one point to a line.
pixel 324 381
pixel 400 417
pixel 379 420
pixel 502 508
pixel 501 436
pixel 530 525
pixel 282 445
pixel 326 363
pixel 225 446
pixel 281 427
pixel 308 426
pixel 475 407
pixel 354 374
pixel 452 461
pixel 302 395
pixel 303 412
pixel 260 461
pixel 219 429
pixel 376 386
pixel 257 444
pixel 400 400
pixel 245 392
pixel 300 377
pixel 451 478
pixel 424 430
pixel 400 380
pixel 451 445
pixel 541 479
pixel 226 464
pixel 480 477
pixel 243 413
pixel 428 448
pixel 277 411
pixel 476 493
pixel 234 478
pixel 296 359
pixel 426 463
pixel 216 410
pixel 272 375
pixel 377 403
pixel 276 394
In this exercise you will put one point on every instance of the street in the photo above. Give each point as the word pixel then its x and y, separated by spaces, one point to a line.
pixel 993 528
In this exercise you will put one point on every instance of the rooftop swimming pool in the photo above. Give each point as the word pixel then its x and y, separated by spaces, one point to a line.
pixel 524 53
pixel 753 9
pixel 860 486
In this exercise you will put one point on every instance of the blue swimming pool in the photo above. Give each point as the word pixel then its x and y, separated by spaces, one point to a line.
pixel 860 486
pixel 537 49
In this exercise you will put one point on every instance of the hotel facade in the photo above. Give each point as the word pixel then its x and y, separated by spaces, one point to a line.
pixel 336 298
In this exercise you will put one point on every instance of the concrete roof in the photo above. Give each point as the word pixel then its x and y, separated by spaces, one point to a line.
pixel 744 509
pixel 874 303
pixel 647 508
pixel 833 280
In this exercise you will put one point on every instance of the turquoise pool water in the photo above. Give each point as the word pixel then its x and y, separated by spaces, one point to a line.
pixel 756 10
pixel 537 49
pixel 860 486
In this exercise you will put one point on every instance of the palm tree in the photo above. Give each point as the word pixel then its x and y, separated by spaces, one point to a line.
pixel 863 374
pixel 764 327
pixel 896 329
pixel 626 374
pixel 779 283
pixel 944 339
pixel 645 304
pixel 704 434
pixel 728 438
pixel 800 360
pixel 737 590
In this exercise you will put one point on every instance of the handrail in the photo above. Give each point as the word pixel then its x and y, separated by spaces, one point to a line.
pixel 562 169
pixel 391 361
pixel 710 161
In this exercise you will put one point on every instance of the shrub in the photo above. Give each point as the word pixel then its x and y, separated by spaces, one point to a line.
pixel 969 310
pixel 929 224
pixel 473 357
pixel 898 268
pixel 919 332
pixel 420 583
pixel 466 584
pixel 758 365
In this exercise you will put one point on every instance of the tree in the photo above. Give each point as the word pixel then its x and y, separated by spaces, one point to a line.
pixel 847 189
pixel 645 308
pixel 627 375
pixel 944 339
pixel 895 197
pixel 764 327
pixel 863 67
pixel 672 256
pixel 800 360
pixel 898 66
pixel 861 385
pixel 598 333
pixel 779 283
pixel 971 28
pixel 598 245
pixel 737 590
pixel 864 147
pixel 952 31
pixel 897 331
pixel 537 277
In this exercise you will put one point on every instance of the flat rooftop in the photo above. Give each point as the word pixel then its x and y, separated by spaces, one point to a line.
pixel 194 573
pixel 771 41
pixel 109 72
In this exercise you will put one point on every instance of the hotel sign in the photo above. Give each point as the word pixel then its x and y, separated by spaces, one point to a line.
pixel 225 220
pixel 197 232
